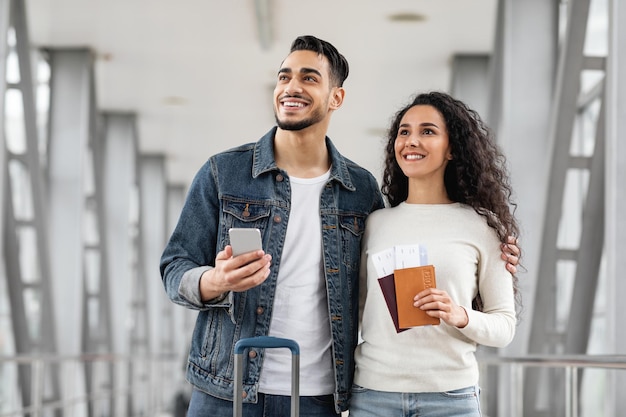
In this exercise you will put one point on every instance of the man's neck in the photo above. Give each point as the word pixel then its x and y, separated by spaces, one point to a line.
pixel 302 153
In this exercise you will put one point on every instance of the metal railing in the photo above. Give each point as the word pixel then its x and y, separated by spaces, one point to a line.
pixel 116 385
pixel 124 386
pixel 571 366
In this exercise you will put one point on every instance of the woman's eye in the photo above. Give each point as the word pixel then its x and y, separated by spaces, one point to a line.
pixel 403 133
pixel 427 132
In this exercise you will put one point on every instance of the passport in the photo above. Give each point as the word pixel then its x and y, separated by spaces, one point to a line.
pixel 407 283
pixel 388 288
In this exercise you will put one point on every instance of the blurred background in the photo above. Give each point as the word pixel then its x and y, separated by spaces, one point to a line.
pixel 110 107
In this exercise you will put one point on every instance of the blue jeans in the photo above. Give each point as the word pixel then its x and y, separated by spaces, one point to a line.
pixel 462 402
pixel 205 405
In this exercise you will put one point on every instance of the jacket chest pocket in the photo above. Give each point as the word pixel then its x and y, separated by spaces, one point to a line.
pixel 245 214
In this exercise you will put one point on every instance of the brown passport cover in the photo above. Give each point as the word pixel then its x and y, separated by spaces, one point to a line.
pixel 408 283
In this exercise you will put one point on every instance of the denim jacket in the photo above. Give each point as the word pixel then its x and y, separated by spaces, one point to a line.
pixel 243 187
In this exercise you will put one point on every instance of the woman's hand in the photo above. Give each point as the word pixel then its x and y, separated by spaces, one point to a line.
pixel 437 303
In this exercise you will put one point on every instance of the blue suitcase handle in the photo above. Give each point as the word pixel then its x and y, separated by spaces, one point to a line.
pixel 267 342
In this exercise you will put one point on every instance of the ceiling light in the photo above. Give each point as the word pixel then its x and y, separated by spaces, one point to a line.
pixel 104 56
pixel 174 101
pixel 407 17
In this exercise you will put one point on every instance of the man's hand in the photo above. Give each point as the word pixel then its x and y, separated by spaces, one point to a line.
pixel 236 274
pixel 510 254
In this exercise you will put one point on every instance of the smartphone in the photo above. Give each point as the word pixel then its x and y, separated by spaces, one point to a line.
pixel 244 240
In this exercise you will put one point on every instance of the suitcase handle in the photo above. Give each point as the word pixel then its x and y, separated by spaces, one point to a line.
pixel 267 342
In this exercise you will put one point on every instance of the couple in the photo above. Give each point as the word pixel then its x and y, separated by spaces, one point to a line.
pixel 446 186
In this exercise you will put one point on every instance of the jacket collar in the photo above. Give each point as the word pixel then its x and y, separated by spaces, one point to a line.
pixel 264 161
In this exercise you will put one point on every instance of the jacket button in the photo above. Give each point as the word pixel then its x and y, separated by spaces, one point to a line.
pixel 252 354
pixel 259 310
pixel 280 177
pixel 277 219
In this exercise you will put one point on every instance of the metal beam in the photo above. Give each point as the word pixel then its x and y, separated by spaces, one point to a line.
pixel 616 198
pixel 43 338
pixel 589 251
pixel 5 12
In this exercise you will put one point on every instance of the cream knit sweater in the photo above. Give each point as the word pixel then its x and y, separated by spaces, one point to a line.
pixel 466 254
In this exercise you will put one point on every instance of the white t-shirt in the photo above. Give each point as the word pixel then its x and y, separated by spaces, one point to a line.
pixel 300 306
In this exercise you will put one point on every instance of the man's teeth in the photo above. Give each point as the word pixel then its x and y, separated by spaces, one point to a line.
pixel 292 104
pixel 412 157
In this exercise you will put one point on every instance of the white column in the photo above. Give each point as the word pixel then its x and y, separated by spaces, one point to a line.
pixel 120 168
pixel 69 135
pixel 153 225
pixel 523 72
pixel 528 59
pixel 119 186
pixel 470 82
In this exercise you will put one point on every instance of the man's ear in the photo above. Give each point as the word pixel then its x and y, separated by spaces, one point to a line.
pixel 336 99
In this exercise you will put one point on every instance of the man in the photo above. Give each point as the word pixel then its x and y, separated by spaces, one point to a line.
pixel 310 204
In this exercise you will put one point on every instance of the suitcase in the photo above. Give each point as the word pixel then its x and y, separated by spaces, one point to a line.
pixel 267 342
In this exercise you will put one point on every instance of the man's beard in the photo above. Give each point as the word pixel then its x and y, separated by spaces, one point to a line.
pixel 316 117
pixel 299 125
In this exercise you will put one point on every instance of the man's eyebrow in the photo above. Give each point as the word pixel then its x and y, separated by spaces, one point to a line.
pixel 309 71
pixel 287 70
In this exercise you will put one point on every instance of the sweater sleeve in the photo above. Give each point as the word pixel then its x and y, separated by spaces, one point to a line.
pixel 495 325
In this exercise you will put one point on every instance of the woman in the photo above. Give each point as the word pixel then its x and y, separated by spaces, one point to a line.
pixel 448 192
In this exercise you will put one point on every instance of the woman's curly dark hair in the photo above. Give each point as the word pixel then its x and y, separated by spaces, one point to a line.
pixel 476 175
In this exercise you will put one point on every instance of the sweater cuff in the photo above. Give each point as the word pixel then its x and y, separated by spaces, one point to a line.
pixel 189 287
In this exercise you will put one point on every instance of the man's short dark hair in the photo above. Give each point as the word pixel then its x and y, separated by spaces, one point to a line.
pixel 338 64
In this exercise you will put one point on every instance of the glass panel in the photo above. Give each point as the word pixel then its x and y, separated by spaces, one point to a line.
pixel 89 184
pixel 565 273
pixel 14 122
pixel 32 303
pixel 11 40
pixel 596 43
pixel 94 313
pixel 13 65
pixel 29 258
pixel 42 101
pixel 90 223
pixel 6 340
pixel 21 190
pixel 584 134
pixel 576 185
pixel 92 271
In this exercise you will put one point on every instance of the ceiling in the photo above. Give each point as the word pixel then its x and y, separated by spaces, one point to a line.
pixel 199 74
